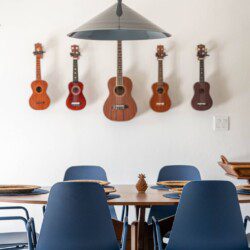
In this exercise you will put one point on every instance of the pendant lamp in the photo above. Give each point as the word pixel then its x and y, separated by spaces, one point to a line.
pixel 119 22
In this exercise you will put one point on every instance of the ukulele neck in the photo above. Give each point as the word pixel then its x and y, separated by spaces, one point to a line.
pixel 119 81
pixel 202 71
pixel 38 69
pixel 75 70
pixel 160 71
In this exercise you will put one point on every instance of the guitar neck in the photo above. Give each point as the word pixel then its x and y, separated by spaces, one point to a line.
pixel 119 63
pixel 160 71
pixel 38 69
pixel 202 71
pixel 75 70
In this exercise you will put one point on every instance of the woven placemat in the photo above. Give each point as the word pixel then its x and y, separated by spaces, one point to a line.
pixel 172 196
pixel 160 187
pixel 113 196
pixel 35 192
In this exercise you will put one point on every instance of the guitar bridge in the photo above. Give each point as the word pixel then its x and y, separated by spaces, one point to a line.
pixel 41 102
pixel 75 103
pixel 160 103
pixel 120 107
pixel 201 104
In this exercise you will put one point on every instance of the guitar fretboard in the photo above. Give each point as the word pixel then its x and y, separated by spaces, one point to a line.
pixel 160 71
pixel 119 63
pixel 75 70
pixel 38 68
pixel 202 71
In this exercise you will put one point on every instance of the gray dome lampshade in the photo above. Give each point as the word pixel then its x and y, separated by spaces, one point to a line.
pixel 119 22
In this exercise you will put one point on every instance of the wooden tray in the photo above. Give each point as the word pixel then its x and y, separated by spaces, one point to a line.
pixel 240 170
pixel 109 190
pixel 243 187
pixel 173 184
pixel 103 183
pixel 17 189
pixel 176 190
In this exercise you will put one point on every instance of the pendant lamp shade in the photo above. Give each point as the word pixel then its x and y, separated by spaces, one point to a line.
pixel 119 22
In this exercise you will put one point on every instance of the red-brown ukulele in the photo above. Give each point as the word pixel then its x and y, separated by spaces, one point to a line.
pixel 202 100
pixel 160 101
pixel 39 99
pixel 120 105
pixel 76 99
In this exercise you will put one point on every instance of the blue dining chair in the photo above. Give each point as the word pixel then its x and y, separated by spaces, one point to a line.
pixel 77 217
pixel 208 217
pixel 92 173
pixel 85 173
pixel 246 220
pixel 168 173
pixel 16 240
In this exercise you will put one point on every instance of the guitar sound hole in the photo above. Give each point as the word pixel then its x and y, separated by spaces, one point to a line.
pixel 202 91
pixel 160 90
pixel 39 89
pixel 76 90
pixel 119 90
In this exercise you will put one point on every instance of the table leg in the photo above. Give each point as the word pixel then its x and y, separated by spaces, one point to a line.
pixel 141 228
pixel 141 232
pixel 137 210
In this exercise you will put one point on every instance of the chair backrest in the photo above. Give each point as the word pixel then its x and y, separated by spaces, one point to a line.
pixel 179 172
pixel 173 172
pixel 208 217
pixel 88 173
pixel 85 173
pixel 77 217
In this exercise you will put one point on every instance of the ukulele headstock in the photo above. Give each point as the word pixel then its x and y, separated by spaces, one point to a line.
pixel 38 50
pixel 201 52
pixel 75 52
pixel 160 54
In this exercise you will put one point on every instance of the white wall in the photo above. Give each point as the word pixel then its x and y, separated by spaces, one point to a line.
pixel 37 147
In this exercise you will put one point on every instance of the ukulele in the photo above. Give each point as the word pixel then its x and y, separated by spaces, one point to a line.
pixel 202 100
pixel 120 105
pixel 39 99
pixel 76 99
pixel 160 101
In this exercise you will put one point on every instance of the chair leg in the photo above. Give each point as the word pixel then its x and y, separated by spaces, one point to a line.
pixel 125 210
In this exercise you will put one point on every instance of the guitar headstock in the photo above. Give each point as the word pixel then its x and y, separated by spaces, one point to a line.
pixel 75 52
pixel 201 52
pixel 160 54
pixel 38 50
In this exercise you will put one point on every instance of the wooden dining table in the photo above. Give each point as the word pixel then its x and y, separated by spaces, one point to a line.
pixel 140 232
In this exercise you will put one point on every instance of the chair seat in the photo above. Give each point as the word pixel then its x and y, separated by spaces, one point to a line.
pixel 13 239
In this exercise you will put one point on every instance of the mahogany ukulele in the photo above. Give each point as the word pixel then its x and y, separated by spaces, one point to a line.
pixel 120 105
pixel 202 100
pixel 39 100
pixel 76 99
pixel 160 101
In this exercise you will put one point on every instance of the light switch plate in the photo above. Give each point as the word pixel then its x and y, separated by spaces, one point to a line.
pixel 221 123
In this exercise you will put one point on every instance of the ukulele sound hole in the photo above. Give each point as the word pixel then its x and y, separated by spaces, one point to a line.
pixel 76 90
pixel 160 90
pixel 119 90
pixel 39 89
pixel 202 91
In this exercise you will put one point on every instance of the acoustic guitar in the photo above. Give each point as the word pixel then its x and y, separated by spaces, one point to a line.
pixel 202 100
pixel 120 105
pixel 76 99
pixel 160 101
pixel 39 99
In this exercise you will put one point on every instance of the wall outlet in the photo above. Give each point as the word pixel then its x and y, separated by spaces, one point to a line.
pixel 221 123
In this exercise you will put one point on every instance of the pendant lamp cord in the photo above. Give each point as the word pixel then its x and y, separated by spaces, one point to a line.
pixel 119 8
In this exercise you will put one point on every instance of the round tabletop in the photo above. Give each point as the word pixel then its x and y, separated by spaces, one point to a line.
pixel 128 196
